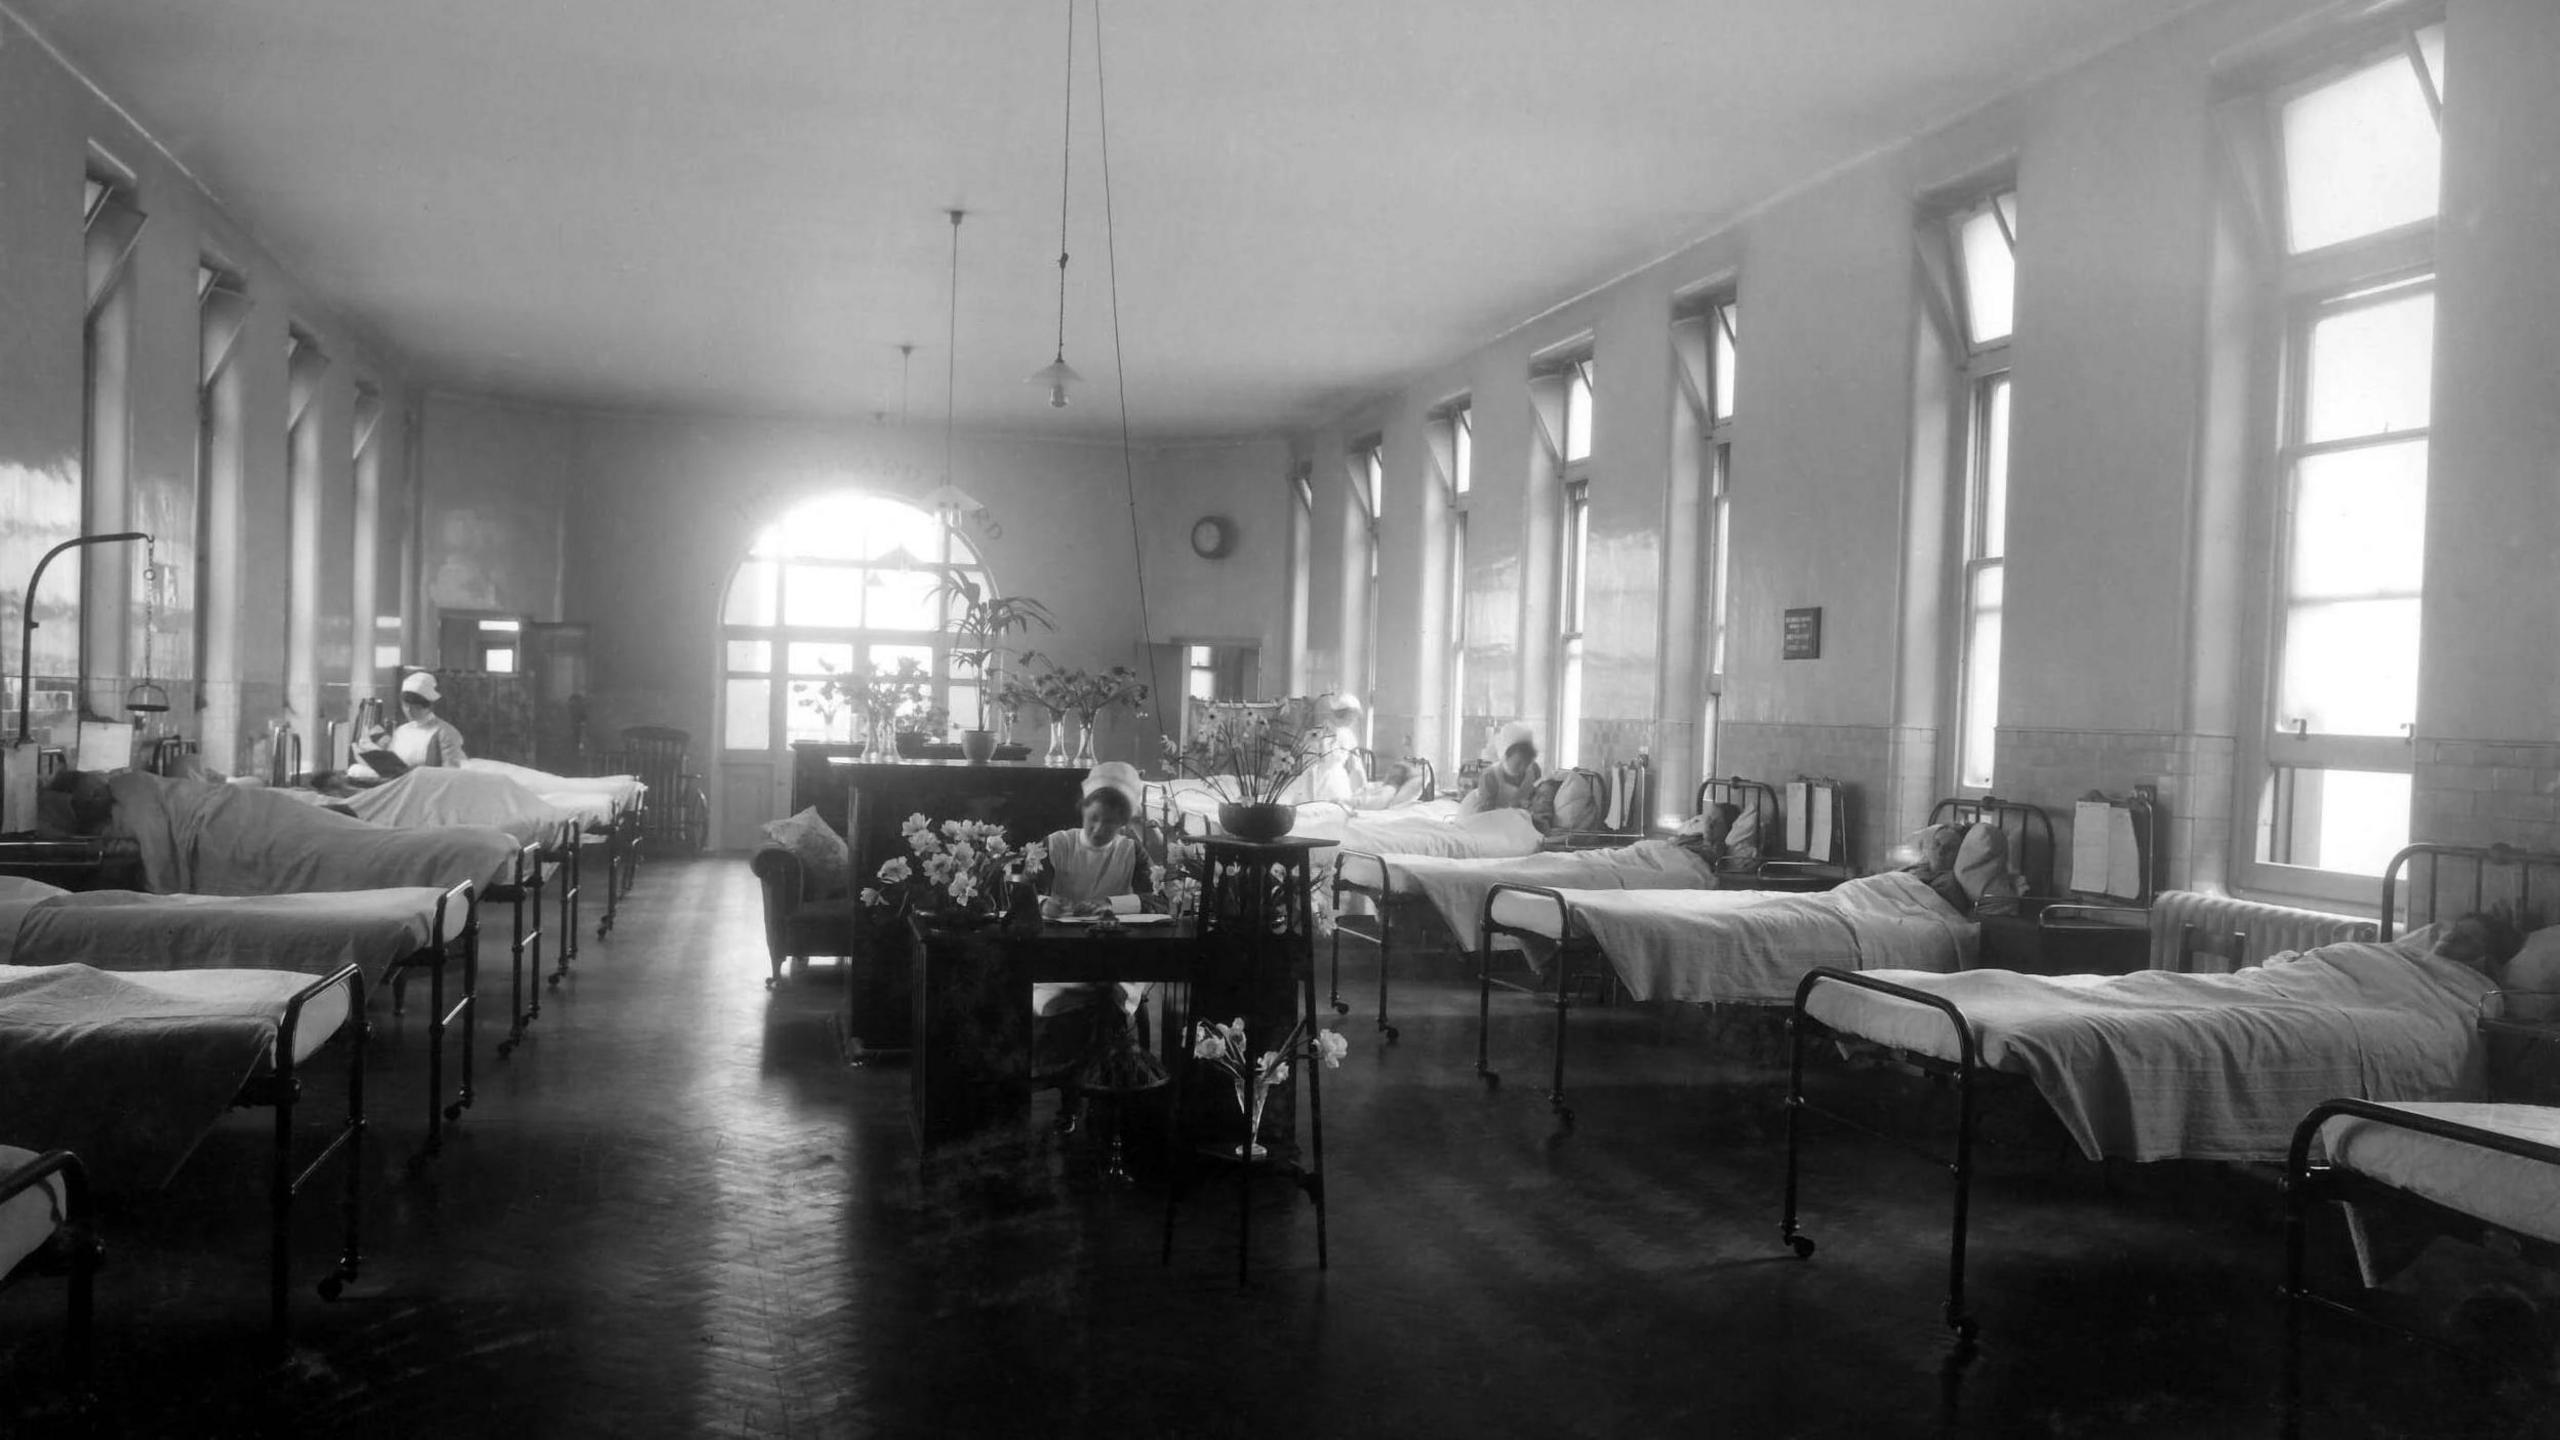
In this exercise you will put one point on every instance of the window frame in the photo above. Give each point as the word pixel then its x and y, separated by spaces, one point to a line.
pixel 2298 290
pixel 1707 349
pixel 1984 369
pixel 1454 430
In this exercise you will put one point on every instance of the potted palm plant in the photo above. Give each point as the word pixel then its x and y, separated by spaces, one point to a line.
pixel 978 634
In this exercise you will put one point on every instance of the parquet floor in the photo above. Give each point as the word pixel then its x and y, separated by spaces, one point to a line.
pixel 674 1214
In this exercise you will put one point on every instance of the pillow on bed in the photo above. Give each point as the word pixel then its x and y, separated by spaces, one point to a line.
pixel 1742 838
pixel 1983 868
pixel 2535 971
pixel 19 887
pixel 1704 835
pixel 826 862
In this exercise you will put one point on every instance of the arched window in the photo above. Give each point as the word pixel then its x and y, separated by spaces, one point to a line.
pixel 837 581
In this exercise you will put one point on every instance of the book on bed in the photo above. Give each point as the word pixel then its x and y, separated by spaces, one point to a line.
pixel 382 763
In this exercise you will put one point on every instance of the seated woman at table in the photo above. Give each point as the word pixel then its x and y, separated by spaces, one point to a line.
pixel 1098 866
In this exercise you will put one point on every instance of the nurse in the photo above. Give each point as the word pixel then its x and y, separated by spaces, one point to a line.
pixel 424 738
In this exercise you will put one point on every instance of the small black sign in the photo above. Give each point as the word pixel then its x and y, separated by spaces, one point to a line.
pixel 1804 634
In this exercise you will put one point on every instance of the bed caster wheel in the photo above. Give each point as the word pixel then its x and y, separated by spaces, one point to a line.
pixel 453 1111
pixel 506 1048
pixel 1802 1245
pixel 332 1287
pixel 1393 1034
pixel 554 982
pixel 1341 1009
pixel 771 981
pixel 1564 1117
pixel 1966 1330
pixel 1491 1079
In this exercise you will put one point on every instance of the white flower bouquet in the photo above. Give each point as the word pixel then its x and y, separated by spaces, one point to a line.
pixel 1227 1047
pixel 960 867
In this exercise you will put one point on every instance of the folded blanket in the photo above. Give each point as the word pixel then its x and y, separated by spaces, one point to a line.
pixel 203 839
pixel 307 934
pixel 131 1072
pixel 2157 1065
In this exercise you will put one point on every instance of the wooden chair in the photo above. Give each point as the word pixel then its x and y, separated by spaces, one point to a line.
pixel 2193 941
pixel 679 815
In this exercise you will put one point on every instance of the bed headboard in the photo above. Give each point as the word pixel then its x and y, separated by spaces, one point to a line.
pixel 2029 828
pixel 2429 882
pixel 1747 795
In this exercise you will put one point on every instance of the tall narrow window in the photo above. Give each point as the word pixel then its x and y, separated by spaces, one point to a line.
pixel 1704 340
pixel 1302 535
pixel 1369 476
pixel 1462 465
pixel 1561 394
pixel 222 309
pixel 363 583
pixel 2359 161
pixel 1983 238
pixel 1570 617
pixel 113 224
pixel 306 367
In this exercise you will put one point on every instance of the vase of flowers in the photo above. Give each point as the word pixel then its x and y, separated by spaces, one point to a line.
pixel 978 633
pixel 878 697
pixel 1227 1047
pixel 1251 755
pixel 961 872
pixel 1085 694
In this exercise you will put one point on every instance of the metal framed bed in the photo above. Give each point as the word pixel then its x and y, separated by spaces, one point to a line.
pixel 1970 1078
pixel 455 941
pixel 279 1088
pixel 71 1246
pixel 1774 866
pixel 521 893
pixel 1383 897
pixel 1579 961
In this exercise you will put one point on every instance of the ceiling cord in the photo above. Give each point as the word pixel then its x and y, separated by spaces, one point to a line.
pixel 1119 364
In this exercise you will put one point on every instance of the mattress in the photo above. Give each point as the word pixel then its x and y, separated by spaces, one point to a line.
pixel 2507 1191
pixel 130 1071
pixel 27 1219
pixel 314 934
pixel 2157 1065
pixel 1753 946
pixel 435 797
pixel 201 839
pixel 1457 888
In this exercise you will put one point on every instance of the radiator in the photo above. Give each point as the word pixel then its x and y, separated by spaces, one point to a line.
pixel 2270 928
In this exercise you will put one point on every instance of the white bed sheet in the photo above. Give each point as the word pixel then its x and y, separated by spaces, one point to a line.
pixel 2508 1191
pixel 313 934
pixel 1457 888
pixel 27 1219
pixel 2157 1065
pixel 592 798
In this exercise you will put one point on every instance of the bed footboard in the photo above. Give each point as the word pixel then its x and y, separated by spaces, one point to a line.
pixel 1965 1073
pixel 1488 930
pixel 281 1089
pixel 2307 1184
pixel 1381 896
pixel 77 1247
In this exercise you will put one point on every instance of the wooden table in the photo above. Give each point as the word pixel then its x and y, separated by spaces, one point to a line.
pixel 972 1061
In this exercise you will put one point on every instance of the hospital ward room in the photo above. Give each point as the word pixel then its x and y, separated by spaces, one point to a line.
pixel 1810 719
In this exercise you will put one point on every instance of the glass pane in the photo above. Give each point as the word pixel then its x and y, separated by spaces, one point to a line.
pixel 2431 45
pixel 1982 681
pixel 963 703
pixel 820 657
pixel 2360 156
pixel 751 596
pixel 2369 370
pixel 1465 445
pixel 811 718
pixel 1716 579
pixel 1990 278
pixel 821 595
pixel 1196 655
pixel 2348 820
pixel 2359 523
pixel 750 654
pixel 1569 708
pixel 852 527
pixel 1723 331
pixel 1374 485
pixel 886 657
pixel 1577 413
pixel 386 657
pixel 1993 541
pixel 2350 667
pixel 1202 685
pixel 746 714
pixel 903 600
pixel 498 660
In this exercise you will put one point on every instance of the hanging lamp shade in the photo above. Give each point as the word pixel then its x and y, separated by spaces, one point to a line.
pixel 147 698
pixel 1057 377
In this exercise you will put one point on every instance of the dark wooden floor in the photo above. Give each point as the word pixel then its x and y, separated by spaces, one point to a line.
pixel 674 1214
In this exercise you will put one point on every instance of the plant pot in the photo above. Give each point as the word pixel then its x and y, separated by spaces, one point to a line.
pixel 1257 822
pixel 977 746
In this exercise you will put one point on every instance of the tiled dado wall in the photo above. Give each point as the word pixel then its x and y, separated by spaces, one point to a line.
pixel 2477 792
pixel 2055 768
pixel 1858 756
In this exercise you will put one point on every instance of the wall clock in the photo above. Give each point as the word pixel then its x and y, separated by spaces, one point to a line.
pixel 1212 536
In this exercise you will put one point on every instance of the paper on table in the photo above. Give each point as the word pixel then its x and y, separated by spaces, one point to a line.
pixel 1799 822
pixel 1824 824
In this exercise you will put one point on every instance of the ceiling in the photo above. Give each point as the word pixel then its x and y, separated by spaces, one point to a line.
pixel 737 205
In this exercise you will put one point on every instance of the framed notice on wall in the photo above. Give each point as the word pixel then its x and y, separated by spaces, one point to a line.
pixel 1804 634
